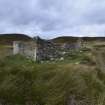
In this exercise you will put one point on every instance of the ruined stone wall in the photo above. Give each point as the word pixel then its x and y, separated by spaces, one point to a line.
pixel 45 50
pixel 27 49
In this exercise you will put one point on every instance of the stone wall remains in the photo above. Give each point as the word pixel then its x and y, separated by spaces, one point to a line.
pixel 45 50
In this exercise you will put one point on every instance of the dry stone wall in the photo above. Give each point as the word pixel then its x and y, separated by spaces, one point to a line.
pixel 43 50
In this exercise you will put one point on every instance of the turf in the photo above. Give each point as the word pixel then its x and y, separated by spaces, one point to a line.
pixel 23 82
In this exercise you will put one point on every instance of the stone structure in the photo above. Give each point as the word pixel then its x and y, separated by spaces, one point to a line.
pixel 40 50
pixel 27 49
pixel 15 47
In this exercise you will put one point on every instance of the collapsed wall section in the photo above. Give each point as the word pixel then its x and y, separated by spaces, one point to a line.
pixel 27 49
pixel 41 50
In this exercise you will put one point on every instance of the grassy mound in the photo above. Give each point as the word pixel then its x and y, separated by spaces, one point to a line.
pixel 24 82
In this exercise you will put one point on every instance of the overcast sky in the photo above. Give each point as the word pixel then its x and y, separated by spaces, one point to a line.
pixel 51 18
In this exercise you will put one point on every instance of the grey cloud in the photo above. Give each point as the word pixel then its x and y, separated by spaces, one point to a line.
pixel 53 17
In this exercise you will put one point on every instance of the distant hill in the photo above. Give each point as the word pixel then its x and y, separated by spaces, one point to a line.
pixel 65 39
pixel 9 38
pixel 70 39
pixel 93 38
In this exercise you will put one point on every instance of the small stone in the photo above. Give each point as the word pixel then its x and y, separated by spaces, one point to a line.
pixel 61 59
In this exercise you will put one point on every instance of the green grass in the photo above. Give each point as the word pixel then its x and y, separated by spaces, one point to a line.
pixel 23 81
pixel 5 46
pixel 5 50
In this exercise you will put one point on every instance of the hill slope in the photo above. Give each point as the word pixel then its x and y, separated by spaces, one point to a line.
pixel 65 39
pixel 23 82
pixel 9 38
pixel 70 39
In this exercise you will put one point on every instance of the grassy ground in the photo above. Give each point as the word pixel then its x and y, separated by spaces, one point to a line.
pixel 5 50
pixel 24 82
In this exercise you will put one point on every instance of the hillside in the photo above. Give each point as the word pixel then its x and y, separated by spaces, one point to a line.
pixel 23 82
pixel 9 38
pixel 77 80
pixel 70 39
pixel 65 39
